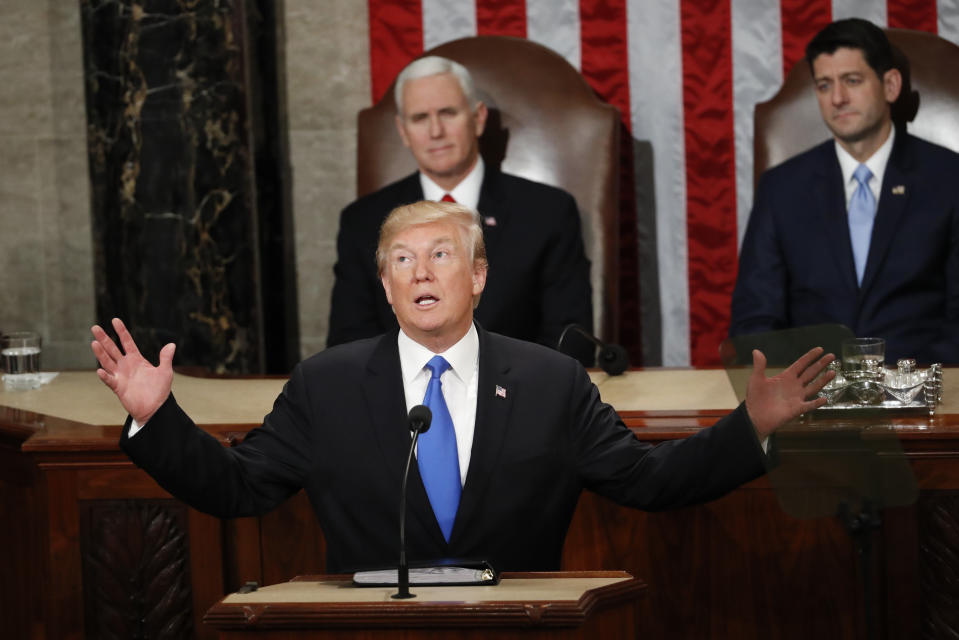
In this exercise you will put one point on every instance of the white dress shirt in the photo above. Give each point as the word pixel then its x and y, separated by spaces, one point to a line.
pixel 466 193
pixel 460 384
pixel 877 165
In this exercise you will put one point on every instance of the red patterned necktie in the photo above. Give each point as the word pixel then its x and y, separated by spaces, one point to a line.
pixel 447 198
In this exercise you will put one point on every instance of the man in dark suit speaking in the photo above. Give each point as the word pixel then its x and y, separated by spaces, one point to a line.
pixel 539 274
pixel 518 429
pixel 862 230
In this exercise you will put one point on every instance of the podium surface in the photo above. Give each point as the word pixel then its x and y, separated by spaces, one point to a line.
pixel 583 604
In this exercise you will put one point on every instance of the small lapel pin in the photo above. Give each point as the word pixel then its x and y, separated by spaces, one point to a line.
pixel 899 190
pixel 500 391
pixel 489 221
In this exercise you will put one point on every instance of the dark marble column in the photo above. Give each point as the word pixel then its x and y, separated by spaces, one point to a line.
pixel 173 163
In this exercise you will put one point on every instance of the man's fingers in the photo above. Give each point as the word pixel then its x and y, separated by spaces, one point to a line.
pixel 108 363
pixel 759 363
pixel 810 373
pixel 126 340
pixel 800 365
pixel 106 343
pixel 166 355
pixel 813 405
pixel 107 379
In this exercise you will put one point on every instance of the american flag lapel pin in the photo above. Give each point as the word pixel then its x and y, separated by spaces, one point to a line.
pixel 899 189
pixel 500 392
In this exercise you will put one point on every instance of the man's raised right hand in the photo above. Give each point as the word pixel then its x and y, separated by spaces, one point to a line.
pixel 140 387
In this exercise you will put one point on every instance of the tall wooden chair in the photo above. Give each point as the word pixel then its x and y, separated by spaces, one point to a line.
pixel 545 124
pixel 790 123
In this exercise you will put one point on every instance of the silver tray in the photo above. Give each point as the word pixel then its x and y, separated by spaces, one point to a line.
pixel 887 408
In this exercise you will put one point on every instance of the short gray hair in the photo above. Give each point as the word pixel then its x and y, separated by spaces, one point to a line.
pixel 431 66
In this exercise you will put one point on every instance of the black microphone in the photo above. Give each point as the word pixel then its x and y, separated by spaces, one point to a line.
pixel 613 358
pixel 419 422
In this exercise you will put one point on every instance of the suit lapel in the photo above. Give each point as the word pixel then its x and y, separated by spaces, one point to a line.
pixel 831 200
pixel 493 210
pixel 495 395
pixel 893 198
pixel 386 404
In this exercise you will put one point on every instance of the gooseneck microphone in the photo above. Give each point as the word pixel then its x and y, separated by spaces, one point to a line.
pixel 419 422
pixel 613 358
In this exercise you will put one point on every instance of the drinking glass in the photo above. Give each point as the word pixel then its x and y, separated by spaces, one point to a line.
pixel 20 357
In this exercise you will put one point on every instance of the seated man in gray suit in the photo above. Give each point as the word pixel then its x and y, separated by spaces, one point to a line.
pixel 518 429
pixel 539 274
pixel 862 230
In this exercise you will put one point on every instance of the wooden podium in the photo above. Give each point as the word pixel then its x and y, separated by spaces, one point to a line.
pixel 582 604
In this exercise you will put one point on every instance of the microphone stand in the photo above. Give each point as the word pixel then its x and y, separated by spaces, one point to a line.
pixel 419 421
pixel 613 358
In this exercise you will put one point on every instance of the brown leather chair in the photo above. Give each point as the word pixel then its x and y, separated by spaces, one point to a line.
pixel 790 123
pixel 545 124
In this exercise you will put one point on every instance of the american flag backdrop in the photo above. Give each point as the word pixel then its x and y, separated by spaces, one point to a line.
pixel 685 74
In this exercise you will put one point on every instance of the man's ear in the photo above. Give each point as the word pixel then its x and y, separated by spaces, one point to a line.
pixel 480 114
pixel 479 279
pixel 402 131
pixel 892 85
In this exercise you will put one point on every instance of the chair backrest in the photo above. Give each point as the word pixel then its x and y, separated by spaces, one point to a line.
pixel 545 124
pixel 790 123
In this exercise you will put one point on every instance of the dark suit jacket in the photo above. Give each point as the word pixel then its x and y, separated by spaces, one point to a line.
pixel 339 430
pixel 796 266
pixel 538 279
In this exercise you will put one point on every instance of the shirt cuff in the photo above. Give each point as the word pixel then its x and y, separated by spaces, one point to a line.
pixel 134 427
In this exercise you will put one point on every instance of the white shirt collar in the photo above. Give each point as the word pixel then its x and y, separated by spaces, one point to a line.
pixel 877 165
pixel 467 192
pixel 462 356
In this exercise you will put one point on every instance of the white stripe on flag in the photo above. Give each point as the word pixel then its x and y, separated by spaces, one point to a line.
pixel 656 113
pixel 872 10
pixel 555 24
pixel 948 16
pixel 757 75
pixel 445 20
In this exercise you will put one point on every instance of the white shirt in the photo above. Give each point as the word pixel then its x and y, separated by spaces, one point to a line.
pixel 460 385
pixel 466 193
pixel 877 165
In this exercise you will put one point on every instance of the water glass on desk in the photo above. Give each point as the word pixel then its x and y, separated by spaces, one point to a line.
pixel 863 354
pixel 20 358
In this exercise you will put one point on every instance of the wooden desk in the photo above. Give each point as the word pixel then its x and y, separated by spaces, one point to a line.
pixel 551 606
pixel 90 542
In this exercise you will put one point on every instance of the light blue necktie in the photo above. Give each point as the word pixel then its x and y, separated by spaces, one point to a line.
pixel 862 213
pixel 436 453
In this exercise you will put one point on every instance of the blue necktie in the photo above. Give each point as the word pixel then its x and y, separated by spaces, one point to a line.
pixel 436 453
pixel 862 213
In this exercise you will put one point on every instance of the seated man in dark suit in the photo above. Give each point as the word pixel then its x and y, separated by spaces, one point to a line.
pixel 539 274
pixel 862 230
pixel 518 429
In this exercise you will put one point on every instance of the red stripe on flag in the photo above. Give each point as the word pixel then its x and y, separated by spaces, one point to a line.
pixel 913 14
pixel 710 173
pixel 501 18
pixel 396 37
pixel 604 62
pixel 800 21
pixel 604 55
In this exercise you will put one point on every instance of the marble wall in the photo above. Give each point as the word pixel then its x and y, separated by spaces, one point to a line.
pixel 46 246
pixel 46 263
pixel 327 68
